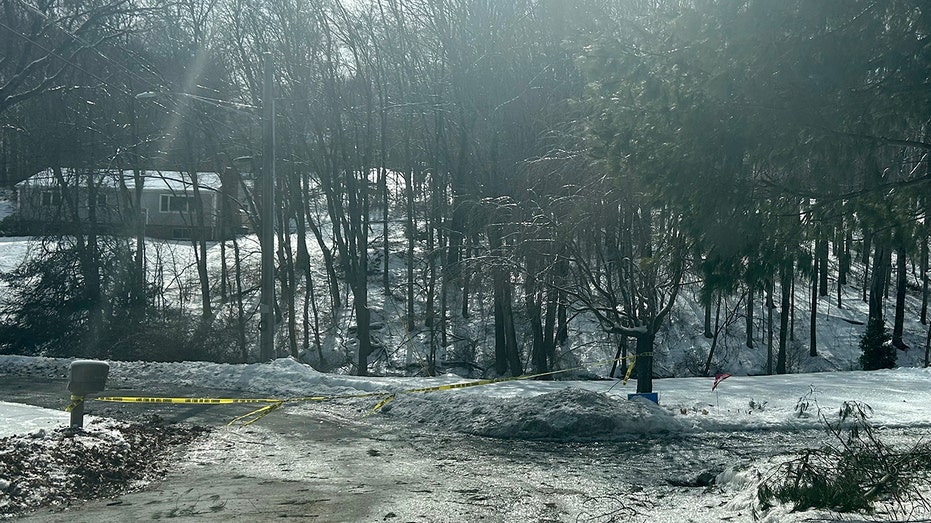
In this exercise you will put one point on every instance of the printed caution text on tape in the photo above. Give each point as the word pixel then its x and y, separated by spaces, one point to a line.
pixel 198 401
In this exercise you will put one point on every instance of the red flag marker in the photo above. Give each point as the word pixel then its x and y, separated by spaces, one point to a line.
pixel 718 378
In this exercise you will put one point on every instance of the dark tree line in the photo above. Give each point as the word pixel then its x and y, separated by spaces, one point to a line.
pixel 545 159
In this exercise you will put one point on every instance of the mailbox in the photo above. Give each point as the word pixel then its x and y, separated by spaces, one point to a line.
pixel 87 377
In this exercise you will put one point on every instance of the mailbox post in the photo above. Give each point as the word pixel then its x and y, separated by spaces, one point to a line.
pixel 87 377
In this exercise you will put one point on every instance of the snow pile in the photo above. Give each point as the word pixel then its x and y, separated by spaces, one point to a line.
pixel 280 377
pixel 570 414
pixel 64 465
pixel 34 366
pixel 283 377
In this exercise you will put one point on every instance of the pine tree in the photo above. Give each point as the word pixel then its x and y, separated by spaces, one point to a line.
pixel 878 352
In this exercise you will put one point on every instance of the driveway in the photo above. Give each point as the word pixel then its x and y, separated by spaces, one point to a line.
pixel 328 462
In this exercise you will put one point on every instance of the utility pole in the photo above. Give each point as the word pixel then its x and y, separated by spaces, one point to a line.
pixel 267 305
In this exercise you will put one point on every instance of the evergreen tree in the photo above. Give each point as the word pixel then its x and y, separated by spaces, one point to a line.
pixel 878 352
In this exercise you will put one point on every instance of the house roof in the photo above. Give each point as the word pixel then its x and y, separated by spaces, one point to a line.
pixel 152 180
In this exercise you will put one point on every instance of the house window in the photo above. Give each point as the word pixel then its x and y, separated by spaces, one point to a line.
pixel 50 198
pixel 172 203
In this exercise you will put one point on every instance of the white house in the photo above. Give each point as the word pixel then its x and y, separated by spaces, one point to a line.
pixel 63 200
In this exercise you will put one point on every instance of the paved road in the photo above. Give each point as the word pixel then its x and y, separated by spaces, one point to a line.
pixel 326 462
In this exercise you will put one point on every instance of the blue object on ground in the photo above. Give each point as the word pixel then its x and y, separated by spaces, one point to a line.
pixel 652 396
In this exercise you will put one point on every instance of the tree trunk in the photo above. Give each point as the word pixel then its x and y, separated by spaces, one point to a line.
pixel 562 320
pixel 840 248
pixel 785 281
pixel 310 300
pixel 304 266
pixel 499 283
pixel 843 266
pixel 199 243
pixel 620 357
pixel 89 256
pixel 821 258
pixel 287 278
pixel 924 281
pixel 430 307
pixel 750 302
pixel 878 280
pixel 383 181
pixel 644 368
pixel 466 277
pixel 506 350
pixel 363 335
pixel 898 325
pixel 137 219
pixel 815 281
pixel 329 264
pixel 865 258
pixel 411 227
pixel 533 300
pixel 445 281
pixel 501 351
pixel 363 316
pixel 888 276
pixel 770 305
pixel 513 351
pixel 792 308
pixel 240 306
pixel 549 326
pixel 928 348
pixel 91 251
pixel 714 340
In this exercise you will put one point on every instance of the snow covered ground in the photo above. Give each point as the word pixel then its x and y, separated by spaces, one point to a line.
pixel 16 418
pixel 532 409
pixel 556 411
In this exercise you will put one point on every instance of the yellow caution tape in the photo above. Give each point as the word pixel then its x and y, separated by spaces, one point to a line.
pixel 630 368
pixel 76 402
pixel 206 401
pixel 276 403
pixel 380 404
pixel 256 415
pixel 340 396
pixel 479 383
pixel 246 419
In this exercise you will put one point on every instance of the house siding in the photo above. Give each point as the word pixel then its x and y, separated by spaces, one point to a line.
pixel 46 207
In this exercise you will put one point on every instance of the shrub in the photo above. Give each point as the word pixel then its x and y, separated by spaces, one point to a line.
pixel 853 473
pixel 49 309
